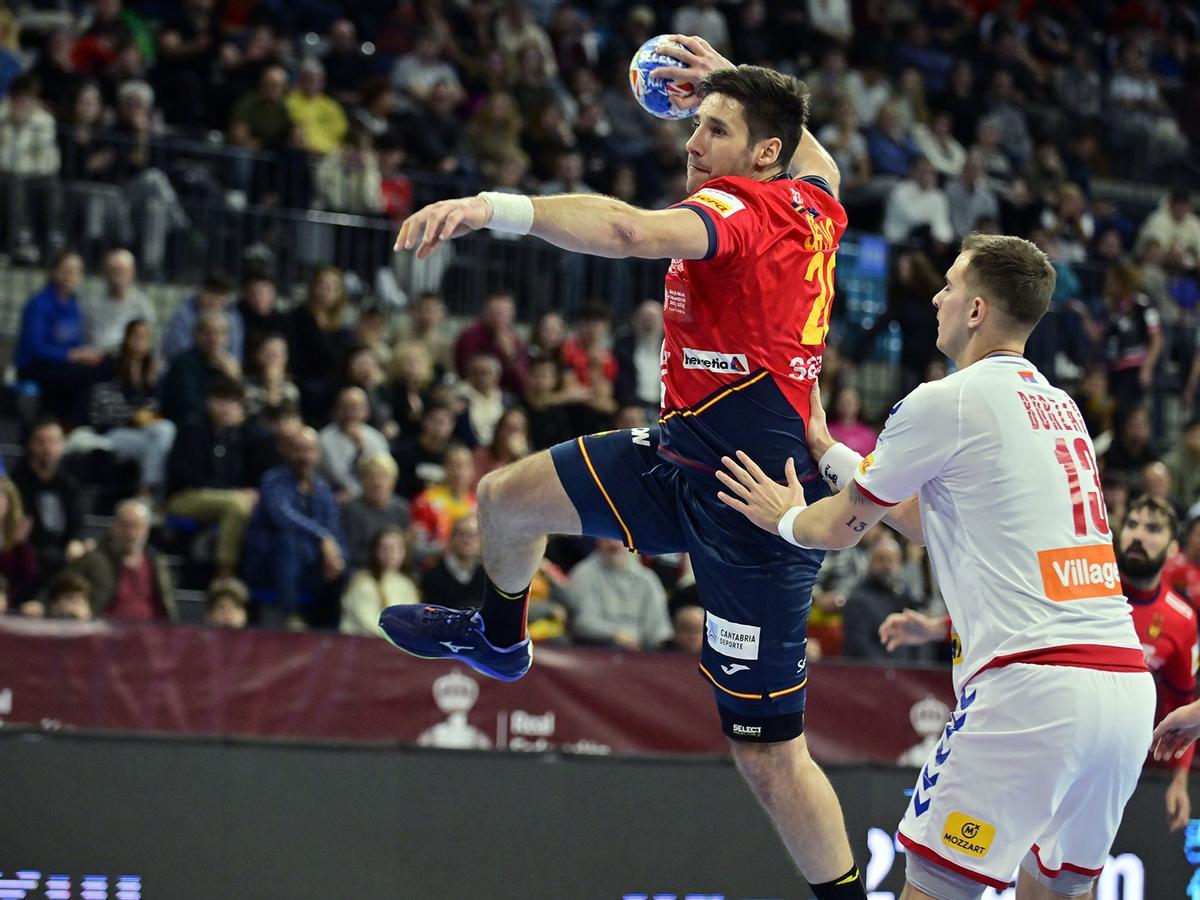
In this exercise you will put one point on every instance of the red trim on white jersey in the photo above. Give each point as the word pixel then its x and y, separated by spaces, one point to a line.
pixel 862 490
pixel 934 857
pixel 1079 656
pixel 1065 867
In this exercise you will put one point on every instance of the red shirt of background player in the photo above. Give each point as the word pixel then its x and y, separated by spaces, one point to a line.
pixel 1166 626
pixel 1183 577
pixel 762 297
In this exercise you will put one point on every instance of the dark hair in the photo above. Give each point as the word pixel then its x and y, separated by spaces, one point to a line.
pixel 3 585
pixel 594 311
pixel 225 388
pixel 1012 273
pixel 216 283
pixel 1188 527
pixel 774 105
pixel 128 368
pixel 1159 507
pixel 69 582
pixel 42 421
pixel 373 564
pixel 25 85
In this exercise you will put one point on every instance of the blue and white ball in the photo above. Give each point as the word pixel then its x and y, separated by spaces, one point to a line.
pixel 656 94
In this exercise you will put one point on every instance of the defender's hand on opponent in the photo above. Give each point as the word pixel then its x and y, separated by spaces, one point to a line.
pixel 696 57
pixel 445 220
pixel 757 497
pixel 1176 731
pixel 817 433
pixel 910 629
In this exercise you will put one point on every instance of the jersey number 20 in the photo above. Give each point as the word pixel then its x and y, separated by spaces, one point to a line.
pixel 1095 499
pixel 819 270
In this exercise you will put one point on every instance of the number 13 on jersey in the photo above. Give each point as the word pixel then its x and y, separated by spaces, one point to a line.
pixel 1095 498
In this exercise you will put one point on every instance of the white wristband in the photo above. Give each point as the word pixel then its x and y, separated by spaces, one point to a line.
pixel 838 465
pixel 511 213
pixel 787 522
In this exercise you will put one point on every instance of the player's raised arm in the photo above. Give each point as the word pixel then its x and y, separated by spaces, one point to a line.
pixel 811 158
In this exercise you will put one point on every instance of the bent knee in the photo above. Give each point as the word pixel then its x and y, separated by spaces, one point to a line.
pixel 762 762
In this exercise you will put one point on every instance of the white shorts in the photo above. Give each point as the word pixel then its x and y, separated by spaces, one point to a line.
pixel 1039 758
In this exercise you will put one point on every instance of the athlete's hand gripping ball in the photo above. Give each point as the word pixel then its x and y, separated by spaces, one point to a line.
pixel 427 228
pixel 1176 731
pixel 757 497
pixel 696 59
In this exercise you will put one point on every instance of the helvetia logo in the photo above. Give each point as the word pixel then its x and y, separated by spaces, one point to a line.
pixel 715 361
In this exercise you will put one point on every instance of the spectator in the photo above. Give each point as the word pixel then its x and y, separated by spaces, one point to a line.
pixel 379 584
pixel 917 204
pixel 213 296
pixel 995 161
pixel 319 340
pixel 687 625
pixel 485 401
pixel 261 120
pixel 208 471
pixel 412 374
pixel 125 409
pixel 295 538
pixel 1184 463
pixel 891 149
pixel 868 91
pixel 457 578
pixel 225 604
pixel 373 332
pixel 1176 228
pixel 1045 174
pixel 1132 336
pixel 1096 404
pixel 846 144
pixel 129 579
pixel 348 179
pixel 879 594
pixel 1070 224
pixel 970 199
pixel 376 508
pixel 260 316
pixel 269 438
pixel 187 56
pixel 422 457
pixel 546 403
pixel 832 19
pixel 29 164
pixel 846 424
pixel 69 598
pixel 269 387
pixel 509 444
pixel 347 66
pixel 617 601
pixel 639 357
pixel 364 371
pixel 106 314
pixel 548 336
pixel 703 18
pixel 939 145
pixel 437 508
pixel 493 334
pixel 88 167
pixel 568 176
pixel 193 371
pixel 1008 112
pixel 50 350
pixel 426 324
pixel 586 354
pixel 1156 484
pixel 1132 449
pixel 51 498
pixel 494 132
pixel 1182 571
pixel 321 119
pixel 346 440
pixel 18 558
pixel 417 73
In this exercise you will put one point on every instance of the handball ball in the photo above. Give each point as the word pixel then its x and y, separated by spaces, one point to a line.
pixel 655 94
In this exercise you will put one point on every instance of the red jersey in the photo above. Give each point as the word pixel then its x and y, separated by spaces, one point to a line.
pixel 744 328
pixel 1183 576
pixel 1166 626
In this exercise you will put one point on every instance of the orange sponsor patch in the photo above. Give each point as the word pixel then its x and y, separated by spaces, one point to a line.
pixel 1079 573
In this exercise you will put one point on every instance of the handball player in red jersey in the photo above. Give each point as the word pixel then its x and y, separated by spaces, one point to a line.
pixel 747 300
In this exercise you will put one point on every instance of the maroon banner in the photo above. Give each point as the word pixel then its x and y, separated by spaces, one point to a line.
pixel 326 686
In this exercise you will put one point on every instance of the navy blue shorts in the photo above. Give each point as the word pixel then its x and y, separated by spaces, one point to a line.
pixel 756 588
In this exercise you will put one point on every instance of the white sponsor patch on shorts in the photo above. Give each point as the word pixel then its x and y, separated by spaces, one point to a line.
pixel 731 638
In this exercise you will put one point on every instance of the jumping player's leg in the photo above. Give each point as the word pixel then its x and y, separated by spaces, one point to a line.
pixel 801 803
pixel 1030 887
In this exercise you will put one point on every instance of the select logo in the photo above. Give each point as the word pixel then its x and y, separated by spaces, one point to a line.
pixel 747 730
pixel 1079 573
pixel 714 361
pixel 968 835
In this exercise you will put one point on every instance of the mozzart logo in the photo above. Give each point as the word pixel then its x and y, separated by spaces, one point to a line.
pixel 968 835
pixel 715 361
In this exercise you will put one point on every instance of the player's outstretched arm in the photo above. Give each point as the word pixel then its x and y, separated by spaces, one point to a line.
pixel 904 518
pixel 1178 729
pixel 910 629
pixel 834 523
pixel 584 223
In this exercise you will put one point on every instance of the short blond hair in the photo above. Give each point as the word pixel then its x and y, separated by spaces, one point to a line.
pixel 381 461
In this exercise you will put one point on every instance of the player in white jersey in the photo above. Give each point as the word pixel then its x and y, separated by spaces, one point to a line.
pixel 992 468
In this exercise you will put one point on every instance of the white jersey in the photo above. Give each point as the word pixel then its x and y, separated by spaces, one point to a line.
pixel 1013 516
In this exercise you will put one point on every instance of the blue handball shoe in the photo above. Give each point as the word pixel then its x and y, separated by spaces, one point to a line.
pixel 438 632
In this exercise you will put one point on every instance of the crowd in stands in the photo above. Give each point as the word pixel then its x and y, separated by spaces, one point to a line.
pixel 314 454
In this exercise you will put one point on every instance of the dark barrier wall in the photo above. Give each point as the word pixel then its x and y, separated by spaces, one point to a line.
pixel 208 819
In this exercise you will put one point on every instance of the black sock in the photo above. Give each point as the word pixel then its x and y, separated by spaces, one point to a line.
pixel 504 615
pixel 848 887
